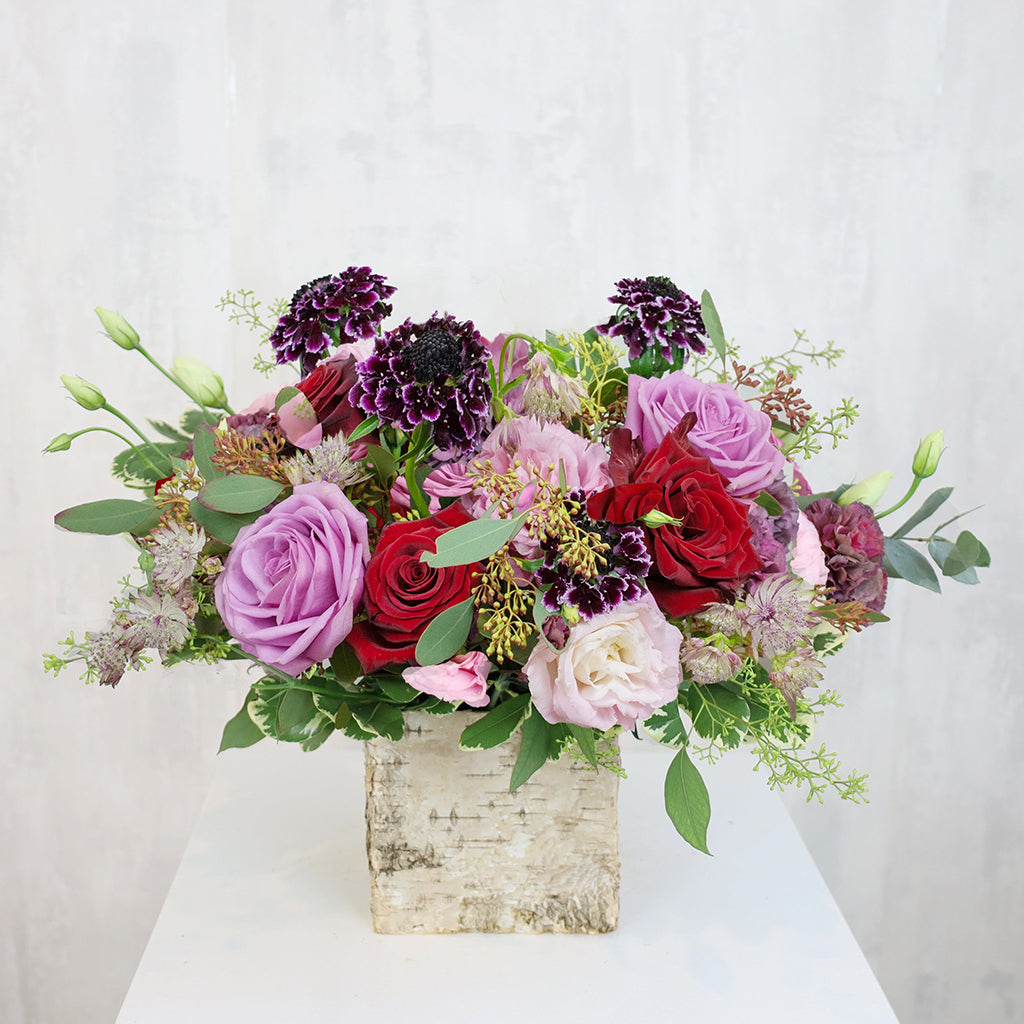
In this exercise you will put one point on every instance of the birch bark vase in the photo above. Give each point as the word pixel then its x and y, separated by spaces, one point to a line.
pixel 451 850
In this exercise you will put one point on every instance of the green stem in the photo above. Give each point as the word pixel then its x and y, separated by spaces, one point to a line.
pixel 298 685
pixel 124 419
pixel 906 497
pixel 415 491
pixel 181 387
pixel 106 430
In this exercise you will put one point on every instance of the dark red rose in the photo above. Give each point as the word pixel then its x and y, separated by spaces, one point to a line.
pixel 853 544
pixel 709 553
pixel 327 389
pixel 402 594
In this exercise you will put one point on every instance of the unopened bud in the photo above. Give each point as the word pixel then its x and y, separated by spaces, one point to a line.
pixel 549 396
pixel 868 492
pixel 61 443
pixel 200 381
pixel 87 395
pixel 657 518
pixel 929 451
pixel 118 329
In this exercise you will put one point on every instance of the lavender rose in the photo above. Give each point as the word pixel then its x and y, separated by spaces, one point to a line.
pixel 615 669
pixel 734 436
pixel 293 578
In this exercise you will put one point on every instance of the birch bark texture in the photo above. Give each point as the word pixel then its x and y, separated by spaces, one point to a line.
pixel 451 850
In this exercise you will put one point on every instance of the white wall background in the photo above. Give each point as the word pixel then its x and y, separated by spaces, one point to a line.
pixel 851 168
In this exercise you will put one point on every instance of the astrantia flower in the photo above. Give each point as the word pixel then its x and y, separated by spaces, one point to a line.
pixel 175 552
pixel 654 313
pixel 707 663
pixel 778 614
pixel 435 372
pixel 338 308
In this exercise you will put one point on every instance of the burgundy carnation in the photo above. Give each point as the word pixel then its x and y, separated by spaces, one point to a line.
pixel 853 544
pixel 402 594
pixel 708 554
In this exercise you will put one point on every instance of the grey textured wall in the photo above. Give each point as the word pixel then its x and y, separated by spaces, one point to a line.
pixel 851 168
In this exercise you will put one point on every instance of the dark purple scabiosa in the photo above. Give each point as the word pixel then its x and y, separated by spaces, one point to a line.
pixel 338 308
pixel 435 372
pixel 627 562
pixel 654 314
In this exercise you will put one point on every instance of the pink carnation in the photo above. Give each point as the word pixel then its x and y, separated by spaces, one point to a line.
pixel 615 669
pixel 464 679
pixel 734 436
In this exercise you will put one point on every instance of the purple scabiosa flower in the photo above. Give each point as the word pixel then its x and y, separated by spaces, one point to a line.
pixel 435 372
pixel 654 314
pixel 344 307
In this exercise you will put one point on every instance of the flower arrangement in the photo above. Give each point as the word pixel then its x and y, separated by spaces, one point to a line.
pixel 576 535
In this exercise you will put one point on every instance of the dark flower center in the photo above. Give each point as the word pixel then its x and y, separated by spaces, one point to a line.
pixel 435 354
pixel 662 286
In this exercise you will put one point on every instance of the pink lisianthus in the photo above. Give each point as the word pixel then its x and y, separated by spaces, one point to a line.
pixel 293 578
pixel 808 559
pixel 540 449
pixel 617 668
pixel 735 437
pixel 464 679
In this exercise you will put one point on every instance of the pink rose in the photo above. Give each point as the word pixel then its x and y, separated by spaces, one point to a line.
pixel 615 669
pixel 533 448
pixel 734 436
pixel 294 577
pixel 808 560
pixel 464 679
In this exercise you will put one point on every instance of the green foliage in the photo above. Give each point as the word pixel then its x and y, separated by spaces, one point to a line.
pixel 907 563
pixel 473 541
pixel 497 725
pixel 666 726
pixel 717 712
pixel 242 307
pixel 143 467
pixel 110 516
pixel 687 801
pixel 928 508
pixel 239 493
pixel 713 324
pixel 540 740
pixel 241 731
pixel 445 634
pixel 222 526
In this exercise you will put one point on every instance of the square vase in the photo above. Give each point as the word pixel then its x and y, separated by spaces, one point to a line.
pixel 451 850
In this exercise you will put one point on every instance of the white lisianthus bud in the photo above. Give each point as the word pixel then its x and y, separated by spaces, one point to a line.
pixel 118 329
pixel 61 443
pixel 867 492
pixel 929 451
pixel 197 378
pixel 87 395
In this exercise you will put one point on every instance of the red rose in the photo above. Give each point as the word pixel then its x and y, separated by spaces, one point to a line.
pixel 327 389
pixel 402 594
pixel 709 553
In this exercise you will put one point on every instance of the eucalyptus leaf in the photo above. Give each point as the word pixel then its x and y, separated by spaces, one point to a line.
pixel 929 507
pixel 446 634
pixel 239 493
pixel 221 526
pixel 905 562
pixel 497 725
pixel 712 323
pixel 110 516
pixel 473 541
pixel 687 801
pixel 241 730
pixel 284 396
pixel 204 444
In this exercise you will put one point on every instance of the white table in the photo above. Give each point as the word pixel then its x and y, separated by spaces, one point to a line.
pixel 267 919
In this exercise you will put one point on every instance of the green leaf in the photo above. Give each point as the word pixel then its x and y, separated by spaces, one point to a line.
pixel 332 704
pixel 190 420
pixel 534 749
pixel 666 726
pixel 384 464
pixel 284 396
pixel 110 516
pixel 497 725
pixel 220 525
pixel 473 541
pixel 380 719
pixel 958 559
pixel 585 737
pixel 687 802
pixel 239 493
pixel 352 729
pixel 204 444
pixel 436 706
pixel 398 691
pixel 712 323
pixel 171 433
pixel 769 504
pixel 130 466
pixel 905 562
pixel 345 665
pixel 929 507
pixel 445 634
pixel 368 426
pixel 241 731
pixel 321 734
pixel 717 713
pixel 984 558
pixel 287 715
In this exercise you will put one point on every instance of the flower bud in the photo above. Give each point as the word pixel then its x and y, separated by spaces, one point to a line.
pixel 929 451
pixel 87 395
pixel 61 443
pixel 868 492
pixel 548 395
pixel 118 329
pixel 656 518
pixel 200 381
